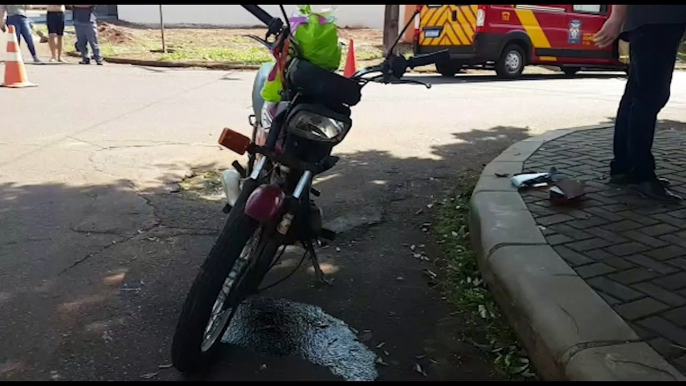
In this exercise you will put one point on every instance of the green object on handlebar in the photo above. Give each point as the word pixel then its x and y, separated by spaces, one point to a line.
pixel 316 35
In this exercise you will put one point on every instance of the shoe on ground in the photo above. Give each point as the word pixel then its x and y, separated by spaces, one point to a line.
pixel 100 63
pixel 85 61
pixel 61 60
pixel 37 60
pixel 52 60
pixel 623 180
pixel 656 190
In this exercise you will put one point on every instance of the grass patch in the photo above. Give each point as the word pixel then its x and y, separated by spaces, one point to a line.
pixel 485 326
pixel 247 55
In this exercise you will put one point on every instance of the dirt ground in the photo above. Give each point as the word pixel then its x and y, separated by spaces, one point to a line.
pixel 209 44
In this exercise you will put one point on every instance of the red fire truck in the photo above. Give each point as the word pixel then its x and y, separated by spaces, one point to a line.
pixel 509 37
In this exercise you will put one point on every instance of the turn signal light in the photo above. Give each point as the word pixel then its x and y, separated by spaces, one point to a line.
pixel 234 141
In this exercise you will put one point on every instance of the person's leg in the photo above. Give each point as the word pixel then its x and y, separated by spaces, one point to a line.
pixel 60 33
pixel 93 41
pixel 15 21
pixel 82 41
pixel 653 54
pixel 619 167
pixel 26 34
pixel 52 34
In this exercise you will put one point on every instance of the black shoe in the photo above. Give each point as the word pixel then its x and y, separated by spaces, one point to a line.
pixel 99 63
pixel 656 190
pixel 85 61
pixel 623 180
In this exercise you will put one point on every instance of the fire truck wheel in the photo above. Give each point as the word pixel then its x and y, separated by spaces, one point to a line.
pixel 511 62
pixel 448 68
pixel 570 71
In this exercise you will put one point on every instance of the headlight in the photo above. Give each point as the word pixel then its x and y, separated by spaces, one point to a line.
pixel 318 127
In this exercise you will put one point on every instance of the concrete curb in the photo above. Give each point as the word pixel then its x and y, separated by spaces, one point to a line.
pixel 176 64
pixel 569 331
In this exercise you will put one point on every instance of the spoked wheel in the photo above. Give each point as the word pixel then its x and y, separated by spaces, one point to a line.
pixel 215 295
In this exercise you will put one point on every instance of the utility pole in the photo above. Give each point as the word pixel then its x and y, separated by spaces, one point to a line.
pixel 164 44
pixel 390 26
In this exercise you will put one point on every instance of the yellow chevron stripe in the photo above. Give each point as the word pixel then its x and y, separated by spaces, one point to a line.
pixel 443 21
pixel 461 34
pixel 469 15
pixel 432 21
pixel 469 32
pixel 533 28
pixel 453 39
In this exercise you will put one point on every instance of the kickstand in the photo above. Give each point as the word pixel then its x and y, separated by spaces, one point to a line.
pixel 315 264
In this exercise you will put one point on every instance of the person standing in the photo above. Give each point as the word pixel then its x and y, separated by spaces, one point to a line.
pixel 16 16
pixel 86 32
pixel 654 33
pixel 55 22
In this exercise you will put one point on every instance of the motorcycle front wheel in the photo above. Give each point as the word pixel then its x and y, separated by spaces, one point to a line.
pixel 215 295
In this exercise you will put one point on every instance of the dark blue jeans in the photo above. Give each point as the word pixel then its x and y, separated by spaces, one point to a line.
pixel 653 51
pixel 22 28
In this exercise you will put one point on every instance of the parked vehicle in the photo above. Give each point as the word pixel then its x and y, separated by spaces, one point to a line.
pixel 269 202
pixel 509 37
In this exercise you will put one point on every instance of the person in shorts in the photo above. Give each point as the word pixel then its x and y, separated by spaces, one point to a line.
pixel 55 22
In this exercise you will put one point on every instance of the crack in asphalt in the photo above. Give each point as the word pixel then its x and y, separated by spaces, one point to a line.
pixel 105 121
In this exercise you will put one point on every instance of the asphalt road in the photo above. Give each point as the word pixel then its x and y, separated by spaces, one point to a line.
pixel 96 255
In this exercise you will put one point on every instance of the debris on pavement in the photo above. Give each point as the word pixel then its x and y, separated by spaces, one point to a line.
pixel 263 367
pixel 380 344
pixel 527 180
pixel 418 368
pixel 380 361
pixel 172 188
pixel 150 375
pixel 566 192
pixel 429 273
pixel 165 366
pixel 502 175
pixel 365 336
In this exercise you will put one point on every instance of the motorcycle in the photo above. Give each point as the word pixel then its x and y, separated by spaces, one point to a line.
pixel 269 202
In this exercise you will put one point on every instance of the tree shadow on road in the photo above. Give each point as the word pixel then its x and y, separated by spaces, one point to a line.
pixel 103 270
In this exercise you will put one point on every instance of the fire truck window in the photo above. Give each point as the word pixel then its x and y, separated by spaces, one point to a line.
pixel 588 8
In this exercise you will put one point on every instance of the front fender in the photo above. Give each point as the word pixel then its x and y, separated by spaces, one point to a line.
pixel 265 203
pixel 258 85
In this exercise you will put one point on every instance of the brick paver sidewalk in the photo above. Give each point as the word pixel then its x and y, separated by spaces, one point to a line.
pixel 629 249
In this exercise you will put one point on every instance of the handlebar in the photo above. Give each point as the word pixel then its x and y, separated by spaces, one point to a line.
pixel 423 60
pixel 274 24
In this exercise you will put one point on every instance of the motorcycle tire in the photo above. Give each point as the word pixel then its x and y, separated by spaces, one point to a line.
pixel 188 354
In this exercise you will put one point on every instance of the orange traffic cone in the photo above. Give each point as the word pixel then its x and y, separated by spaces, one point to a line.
pixel 15 73
pixel 350 67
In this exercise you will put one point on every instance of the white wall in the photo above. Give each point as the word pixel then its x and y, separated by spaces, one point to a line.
pixel 354 16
